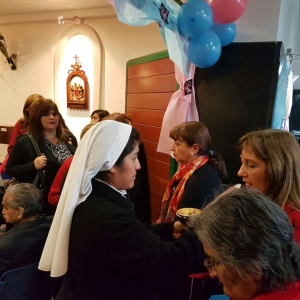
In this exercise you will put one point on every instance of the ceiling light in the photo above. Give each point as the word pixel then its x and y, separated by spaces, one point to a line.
pixel 77 21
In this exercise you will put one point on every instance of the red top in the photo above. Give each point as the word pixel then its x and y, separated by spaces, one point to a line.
pixel 18 129
pixel 294 216
pixel 292 293
pixel 58 182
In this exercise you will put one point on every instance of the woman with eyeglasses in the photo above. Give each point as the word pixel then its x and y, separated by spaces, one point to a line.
pixel 250 245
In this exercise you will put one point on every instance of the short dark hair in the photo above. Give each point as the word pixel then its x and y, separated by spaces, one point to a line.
pixel 251 235
pixel 25 195
pixel 101 113
pixel 197 133
pixel 123 118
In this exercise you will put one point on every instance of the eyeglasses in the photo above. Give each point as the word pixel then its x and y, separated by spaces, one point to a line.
pixel 210 263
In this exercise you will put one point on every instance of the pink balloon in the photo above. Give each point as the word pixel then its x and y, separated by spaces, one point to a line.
pixel 227 11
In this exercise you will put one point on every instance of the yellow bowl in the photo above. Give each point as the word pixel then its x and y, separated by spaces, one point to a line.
pixel 184 213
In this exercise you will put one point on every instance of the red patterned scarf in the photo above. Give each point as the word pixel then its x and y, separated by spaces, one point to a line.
pixel 182 175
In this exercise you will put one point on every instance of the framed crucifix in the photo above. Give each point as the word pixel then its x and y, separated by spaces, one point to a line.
pixel 77 87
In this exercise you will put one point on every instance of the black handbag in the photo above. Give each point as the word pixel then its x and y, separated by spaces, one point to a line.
pixel 39 179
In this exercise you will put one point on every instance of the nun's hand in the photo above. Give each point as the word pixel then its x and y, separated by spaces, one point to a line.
pixel 178 229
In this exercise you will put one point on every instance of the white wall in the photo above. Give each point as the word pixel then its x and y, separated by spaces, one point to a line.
pixel 35 43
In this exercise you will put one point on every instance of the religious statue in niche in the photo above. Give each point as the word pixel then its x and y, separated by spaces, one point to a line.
pixel 77 87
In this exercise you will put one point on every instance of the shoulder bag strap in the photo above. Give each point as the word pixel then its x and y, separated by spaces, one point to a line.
pixel 35 145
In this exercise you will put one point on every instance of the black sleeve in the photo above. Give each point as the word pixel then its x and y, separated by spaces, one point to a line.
pixel 74 141
pixel 163 230
pixel 21 160
pixel 71 136
pixel 201 188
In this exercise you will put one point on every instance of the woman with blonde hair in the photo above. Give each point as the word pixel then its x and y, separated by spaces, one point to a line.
pixel 20 126
pixel 271 163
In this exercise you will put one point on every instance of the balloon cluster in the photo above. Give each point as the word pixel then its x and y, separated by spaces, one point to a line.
pixel 209 25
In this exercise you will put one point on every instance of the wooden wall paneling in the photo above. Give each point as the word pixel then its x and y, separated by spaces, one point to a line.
pixel 155 213
pixel 150 133
pixel 155 84
pixel 150 100
pixel 156 200
pixel 150 85
pixel 152 68
pixel 146 116
pixel 151 150
pixel 157 184
pixel 158 168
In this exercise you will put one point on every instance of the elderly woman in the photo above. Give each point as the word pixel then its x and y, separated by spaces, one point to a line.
pixel 53 142
pixel 271 163
pixel 23 244
pixel 95 235
pixel 250 246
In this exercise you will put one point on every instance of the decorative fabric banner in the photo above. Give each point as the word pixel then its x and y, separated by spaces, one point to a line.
pixel 165 14
pixel 182 108
pixel 283 100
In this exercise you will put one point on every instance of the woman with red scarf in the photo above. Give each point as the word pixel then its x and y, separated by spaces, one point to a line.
pixel 195 184
pixel 200 173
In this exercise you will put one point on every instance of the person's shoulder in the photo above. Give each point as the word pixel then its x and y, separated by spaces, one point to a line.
pixel 22 138
pixel 207 170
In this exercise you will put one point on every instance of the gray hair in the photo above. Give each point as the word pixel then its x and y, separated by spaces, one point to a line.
pixel 25 195
pixel 251 235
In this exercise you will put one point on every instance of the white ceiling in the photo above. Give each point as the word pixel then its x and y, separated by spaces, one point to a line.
pixel 16 7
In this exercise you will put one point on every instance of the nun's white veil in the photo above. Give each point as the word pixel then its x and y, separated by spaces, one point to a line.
pixel 99 149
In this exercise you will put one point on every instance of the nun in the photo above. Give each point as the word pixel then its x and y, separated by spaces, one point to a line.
pixel 96 240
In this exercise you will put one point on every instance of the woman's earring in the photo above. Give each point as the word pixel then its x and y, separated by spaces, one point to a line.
pixel 192 153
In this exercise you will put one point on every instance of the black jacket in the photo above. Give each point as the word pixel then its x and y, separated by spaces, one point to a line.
pixel 201 188
pixel 21 162
pixel 23 244
pixel 112 256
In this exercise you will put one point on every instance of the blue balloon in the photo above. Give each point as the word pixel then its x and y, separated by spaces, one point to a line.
pixel 195 16
pixel 204 50
pixel 225 32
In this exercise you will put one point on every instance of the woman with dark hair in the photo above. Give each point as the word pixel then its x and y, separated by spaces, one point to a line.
pixel 250 246
pixel 21 126
pixel 194 185
pixel 271 163
pixel 199 175
pixel 95 236
pixel 98 114
pixel 52 139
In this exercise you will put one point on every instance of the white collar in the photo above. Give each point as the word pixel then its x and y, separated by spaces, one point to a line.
pixel 122 192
